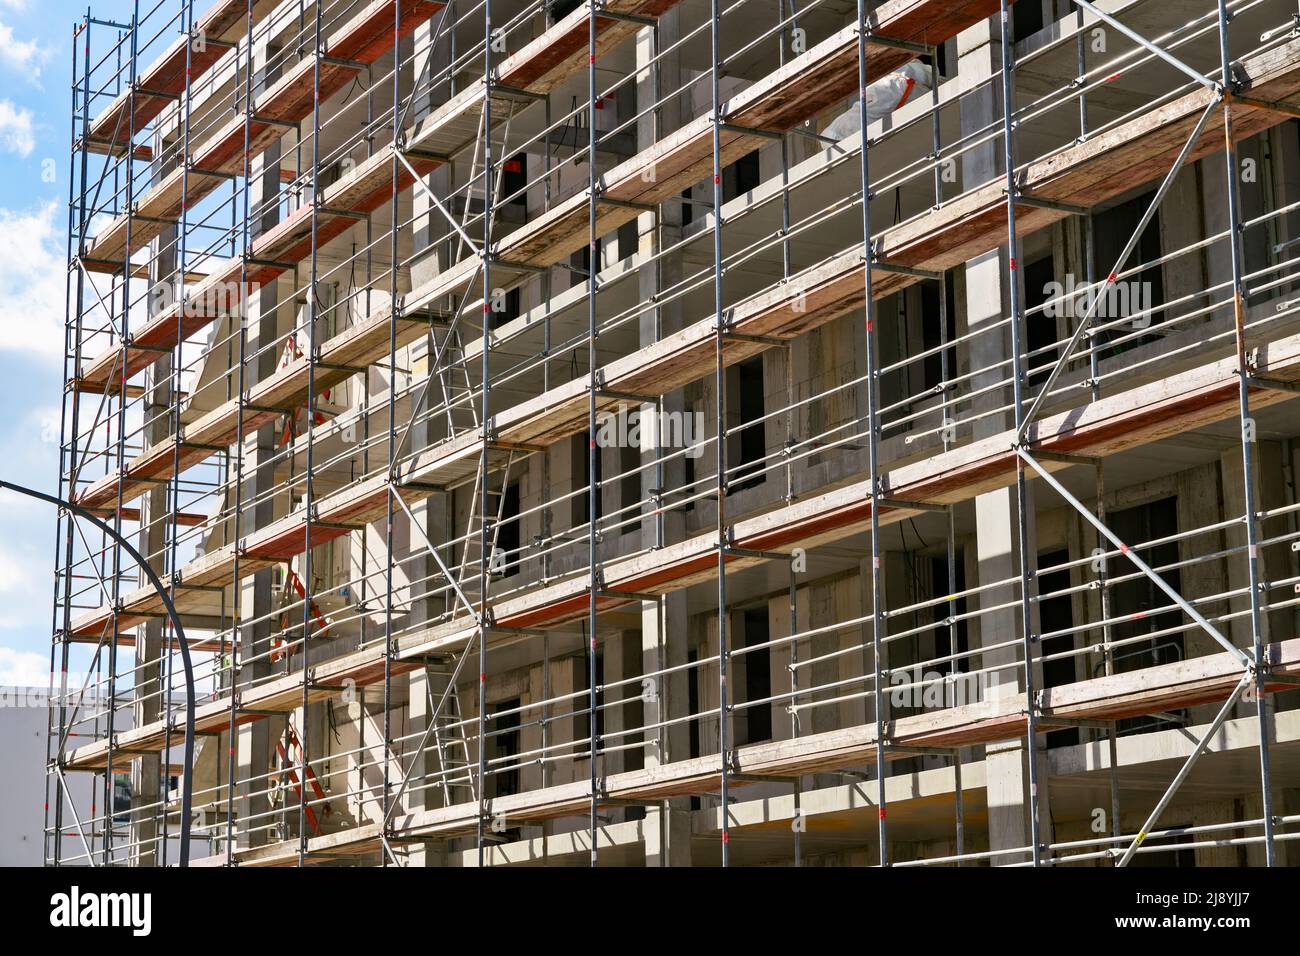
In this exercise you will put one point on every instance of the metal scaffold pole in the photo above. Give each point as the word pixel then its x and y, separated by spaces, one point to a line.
pixel 68 445
pixel 1088 236
pixel 238 643
pixel 316 194
pixel 705 270
pixel 595 493
pixel 794 713
pixel 1247 434
pixel 720 429
pixel 948 437
pixel 872 384
pixel 394 169
pixel 120 443
pixel 174 415
pixel 485 423
pixel 1023 502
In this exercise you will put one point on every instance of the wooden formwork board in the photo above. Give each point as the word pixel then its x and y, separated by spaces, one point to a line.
pixel 1181 418
pixel 835 287
pixel 1182 684
pixel 1184 402
pixel 1128 420
pixel 164 80
pixel 290 99
pixel 803 88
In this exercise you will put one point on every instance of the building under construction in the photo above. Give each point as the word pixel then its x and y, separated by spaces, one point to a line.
pixel 681 432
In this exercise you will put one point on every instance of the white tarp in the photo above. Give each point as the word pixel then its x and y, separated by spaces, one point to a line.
pixel 883 97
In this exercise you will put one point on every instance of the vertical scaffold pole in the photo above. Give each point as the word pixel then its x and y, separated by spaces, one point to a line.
pixel 120 454
pixel 304 741
pixel 484 424
pixel 794 708
pixel 1094 373
pixel 947 435
pixel 174 401
pixel 1247 436
pixel 720 384
pixel 236 643
pixel 1017 389
pixel 594 501
pixel 873 451
pixel 790 495
pixel 1103 587
pixel 68 425
pixel 392 424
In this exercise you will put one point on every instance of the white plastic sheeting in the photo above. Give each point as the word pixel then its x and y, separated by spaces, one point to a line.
pixel 883 97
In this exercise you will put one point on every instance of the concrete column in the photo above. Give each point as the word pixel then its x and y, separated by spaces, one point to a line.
pixel 430 512
pixel 1274 563
pixel 1214 202
pixel 1200 504
pixel 1270 492
pixel 667 827
pixel 624 708
pixel 255 741
pixel 154 531
pixel 1180 217
pixel 1284 150
pixel 996 512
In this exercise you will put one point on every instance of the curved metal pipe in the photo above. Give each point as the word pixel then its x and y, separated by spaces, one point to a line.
pixel 187 767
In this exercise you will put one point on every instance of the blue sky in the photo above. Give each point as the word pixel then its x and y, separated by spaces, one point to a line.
pixel 35 74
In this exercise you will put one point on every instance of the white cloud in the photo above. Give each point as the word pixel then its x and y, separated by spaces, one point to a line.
pixel 21 56
pixel 30 439
pixel 23 668
pixel 27 594
pixel 31 442
pixel 17 576
pixel 32 274
pixel 15 506
pixel 16 134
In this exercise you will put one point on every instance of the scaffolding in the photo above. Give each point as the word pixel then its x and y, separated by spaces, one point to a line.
pixel 367 297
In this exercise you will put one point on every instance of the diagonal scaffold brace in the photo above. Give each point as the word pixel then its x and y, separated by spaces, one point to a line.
pixel 1099 296
pixel 1141 565
pixel 1246 680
